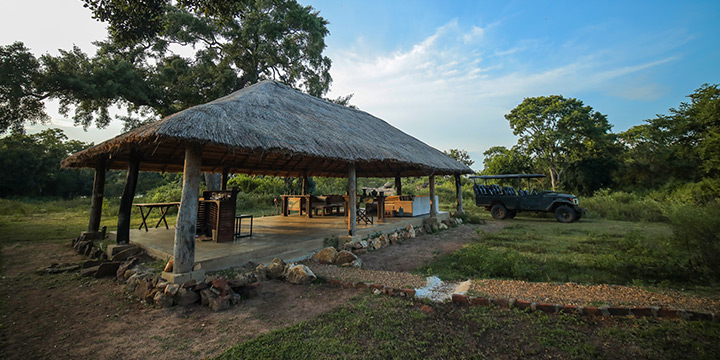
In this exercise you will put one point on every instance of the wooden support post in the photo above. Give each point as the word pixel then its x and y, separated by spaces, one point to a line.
pixel 224 179
pixel 352 203
pixel 184 250
pixel 123 227
pixel 398 186
pixel 97 196
pixel 305 184
pixel 458 196
pixel 433 213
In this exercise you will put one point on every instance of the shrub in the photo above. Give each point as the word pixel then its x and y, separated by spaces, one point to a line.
pixel 171 192
pixel 625 207
pixel 696 229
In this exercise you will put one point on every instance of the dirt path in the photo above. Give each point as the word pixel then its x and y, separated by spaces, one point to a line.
pixel 67 317
pixel 392 265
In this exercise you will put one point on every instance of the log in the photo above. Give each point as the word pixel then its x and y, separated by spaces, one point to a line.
pixel 125 210
pixel 184 249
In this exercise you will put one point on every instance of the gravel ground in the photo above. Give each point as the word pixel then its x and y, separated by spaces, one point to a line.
pixel 398 280
pixel 414 253
pixel 597 295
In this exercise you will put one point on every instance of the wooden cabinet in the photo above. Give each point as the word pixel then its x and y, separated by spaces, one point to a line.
pixel 216 215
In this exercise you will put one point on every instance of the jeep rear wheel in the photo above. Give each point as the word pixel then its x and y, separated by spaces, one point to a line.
pixel 565 214
pixel 499 212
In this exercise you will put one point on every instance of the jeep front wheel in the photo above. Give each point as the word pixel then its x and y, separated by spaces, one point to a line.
pixel 499 212
pixel 565 214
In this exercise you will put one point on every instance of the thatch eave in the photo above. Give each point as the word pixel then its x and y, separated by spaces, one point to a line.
pixel 272 129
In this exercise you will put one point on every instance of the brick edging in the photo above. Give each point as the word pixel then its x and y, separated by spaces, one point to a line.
pixel 549 308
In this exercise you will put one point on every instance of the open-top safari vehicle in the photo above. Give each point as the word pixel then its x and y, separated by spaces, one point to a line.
pixel 505 201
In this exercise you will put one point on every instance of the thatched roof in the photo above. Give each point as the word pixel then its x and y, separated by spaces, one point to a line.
pixel 272 129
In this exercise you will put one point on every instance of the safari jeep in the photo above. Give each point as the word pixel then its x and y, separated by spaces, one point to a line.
pixel 505 201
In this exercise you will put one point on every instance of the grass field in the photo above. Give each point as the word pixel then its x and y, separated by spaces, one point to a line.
pixel 380 327
pixel 529 248
pixel 60 220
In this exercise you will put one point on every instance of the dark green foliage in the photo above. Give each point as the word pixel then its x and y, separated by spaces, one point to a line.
pixel 499 160
pixel 460 155
pixel 696 229
pixel 31 166
pixel 563 135
pixel 20 74
pixel 679 147
pixel 624 206
pixel 235 45
pixel 265 185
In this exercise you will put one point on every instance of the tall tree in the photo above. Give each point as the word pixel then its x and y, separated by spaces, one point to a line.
pixel 460 155
pixel 19 78
pixel 501 160
pixel 31 165
pixel 683 146
pixel 557 132
pixel 235 44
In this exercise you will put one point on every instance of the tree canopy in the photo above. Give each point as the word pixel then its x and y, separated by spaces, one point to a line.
pixel 141 68
pixel 561 134
pixel 501 160
pixel 683 146
pixel 460 155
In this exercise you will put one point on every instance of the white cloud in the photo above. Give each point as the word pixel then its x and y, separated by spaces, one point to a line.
pixel 475 34
pixel 444 92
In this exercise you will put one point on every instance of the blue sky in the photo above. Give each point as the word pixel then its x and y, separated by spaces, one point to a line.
pixel 446 72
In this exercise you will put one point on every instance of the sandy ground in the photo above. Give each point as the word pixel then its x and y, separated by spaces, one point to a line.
pixel 67 317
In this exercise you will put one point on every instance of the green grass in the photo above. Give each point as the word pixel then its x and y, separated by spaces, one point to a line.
pixel 589 251
pixel 60 220
pixel 379 327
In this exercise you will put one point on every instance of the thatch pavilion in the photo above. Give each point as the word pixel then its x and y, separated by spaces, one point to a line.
pixel 267 129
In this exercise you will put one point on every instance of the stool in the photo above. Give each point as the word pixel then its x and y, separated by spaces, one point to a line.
pixel 238 225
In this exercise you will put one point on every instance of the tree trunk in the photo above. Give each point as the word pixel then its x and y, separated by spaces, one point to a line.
pixel 552 178
pixel 123 227
pixel 184 249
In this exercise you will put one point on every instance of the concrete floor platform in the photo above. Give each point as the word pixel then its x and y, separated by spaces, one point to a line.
pixel 291 238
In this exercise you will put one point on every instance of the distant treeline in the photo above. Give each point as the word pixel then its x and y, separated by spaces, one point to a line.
pixel 676 154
